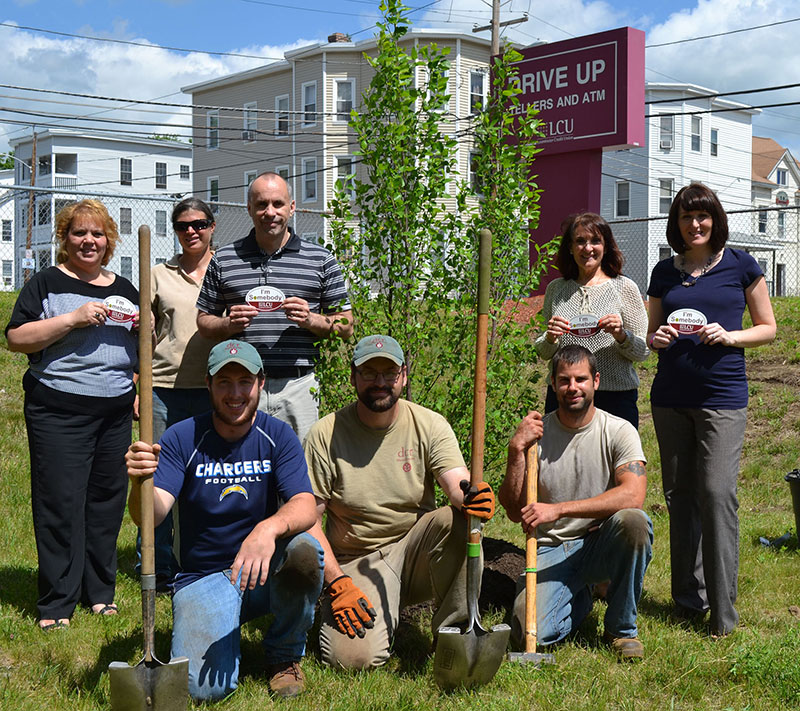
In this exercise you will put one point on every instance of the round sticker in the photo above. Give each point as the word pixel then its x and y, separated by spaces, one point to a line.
pixel 687 321
pixel 265 298
pixel 120 309
pixel 584 325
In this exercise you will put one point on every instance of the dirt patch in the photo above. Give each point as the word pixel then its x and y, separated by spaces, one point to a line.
pixel 775 372
pixel 526 309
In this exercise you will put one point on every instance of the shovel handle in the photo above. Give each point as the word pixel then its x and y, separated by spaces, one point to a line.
pixel 146 435
pixel 531 494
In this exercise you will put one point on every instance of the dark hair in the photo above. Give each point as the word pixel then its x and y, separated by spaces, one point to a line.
pixel 697 196
pixel 191 203
pixel 572 355
pixel 612 257
pixel 95 209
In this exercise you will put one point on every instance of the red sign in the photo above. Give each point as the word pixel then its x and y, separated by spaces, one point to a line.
pixel 589 90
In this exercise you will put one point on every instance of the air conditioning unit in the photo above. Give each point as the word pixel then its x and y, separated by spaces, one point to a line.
pixel 666 144
pixel 248 135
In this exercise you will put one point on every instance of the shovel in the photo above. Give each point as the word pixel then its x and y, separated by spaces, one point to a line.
pixel 530 655
pixel 471 657
pixel 151 685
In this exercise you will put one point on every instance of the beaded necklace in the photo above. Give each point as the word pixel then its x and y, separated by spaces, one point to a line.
pixel 685 277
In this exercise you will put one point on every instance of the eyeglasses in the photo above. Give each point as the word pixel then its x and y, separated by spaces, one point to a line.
pixel 196 224
pixel 370 375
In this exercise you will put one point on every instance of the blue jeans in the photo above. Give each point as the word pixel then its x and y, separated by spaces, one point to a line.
pixel 208 613
pixel 170 406
pixel 619 551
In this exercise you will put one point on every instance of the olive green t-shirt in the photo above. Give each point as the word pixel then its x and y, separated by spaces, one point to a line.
pixel 377 483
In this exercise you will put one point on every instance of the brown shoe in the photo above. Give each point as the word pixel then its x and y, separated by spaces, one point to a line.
pixel 286 679
pixel 628 649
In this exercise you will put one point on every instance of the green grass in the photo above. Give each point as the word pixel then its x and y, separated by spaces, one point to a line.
pixel 757 667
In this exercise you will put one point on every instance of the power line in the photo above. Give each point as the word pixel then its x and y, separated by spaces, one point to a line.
pixel 723 34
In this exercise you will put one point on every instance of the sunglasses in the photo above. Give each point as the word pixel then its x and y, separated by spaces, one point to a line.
pixel 196 224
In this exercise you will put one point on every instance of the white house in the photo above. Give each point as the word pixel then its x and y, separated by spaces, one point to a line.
pixel 691 135
pixel 6 231
pixel 138 179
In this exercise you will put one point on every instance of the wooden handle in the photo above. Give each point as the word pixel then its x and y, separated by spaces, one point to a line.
pixel 532 491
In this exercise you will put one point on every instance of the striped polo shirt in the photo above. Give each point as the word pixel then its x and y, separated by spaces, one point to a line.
pixel 299 268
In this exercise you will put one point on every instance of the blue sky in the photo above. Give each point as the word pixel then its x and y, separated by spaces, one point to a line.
pixel 265 28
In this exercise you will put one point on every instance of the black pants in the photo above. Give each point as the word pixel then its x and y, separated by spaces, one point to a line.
pixel 621 403
pixel 78 487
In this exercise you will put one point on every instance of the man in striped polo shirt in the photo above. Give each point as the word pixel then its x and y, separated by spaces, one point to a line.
pixel 281 294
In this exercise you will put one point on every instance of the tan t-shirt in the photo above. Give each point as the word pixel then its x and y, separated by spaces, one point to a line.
pixel 377 483
pixel 180 358
pixel 579 464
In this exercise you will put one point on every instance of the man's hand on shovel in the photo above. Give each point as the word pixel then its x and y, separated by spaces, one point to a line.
pixel 352 610
pixel 478 500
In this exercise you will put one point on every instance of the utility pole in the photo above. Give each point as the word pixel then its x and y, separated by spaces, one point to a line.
pixel 496 25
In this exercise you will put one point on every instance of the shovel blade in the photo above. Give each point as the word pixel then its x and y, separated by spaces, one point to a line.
pixel 469 659
pixel 150 686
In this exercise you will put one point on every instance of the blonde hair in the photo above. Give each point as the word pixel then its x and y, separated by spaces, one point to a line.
pixel 95 209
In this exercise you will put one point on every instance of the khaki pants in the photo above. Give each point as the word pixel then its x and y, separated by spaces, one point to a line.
pixel 428 563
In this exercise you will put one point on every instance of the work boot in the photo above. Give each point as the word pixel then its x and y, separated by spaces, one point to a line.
pixel 286 679
pixel 628 649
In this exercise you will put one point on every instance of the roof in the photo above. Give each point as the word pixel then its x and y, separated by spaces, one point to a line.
pixel 687 92
pixel 424 34
pixel 56 133
pixel 767 153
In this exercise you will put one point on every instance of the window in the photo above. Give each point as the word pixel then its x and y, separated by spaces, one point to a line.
pixel 664 253
pixel 714 142
pixel 666 133
pixel 623 199
pixel 696 129
pixel 249 177
pixel 345 90
pixel 345 168
pixel 125 171
pixel 43 213
pixel 283 171
pixel 282 115
pixel 125 221
pixel 250 122
pixel 780 280
pixel 310 237
pixel 474 181
pixel 309 103
pixel 161 176
pixel 184 172
pixel 161 260
pixel 762 221
pixel 7 228
pixel 8 272
pixel 126 267
pixel 161 223
pixel 666 187
pixel 781 176
pixel 309 179
pixel 441 94
pixel 213 194
pixel 212 130
pixel 477 91
pixel 44 165
pixel 781 224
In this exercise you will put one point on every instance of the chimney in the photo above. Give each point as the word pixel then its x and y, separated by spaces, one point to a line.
pixel 338 37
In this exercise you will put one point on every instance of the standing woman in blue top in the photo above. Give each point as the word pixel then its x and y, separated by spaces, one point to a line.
pixel 699 397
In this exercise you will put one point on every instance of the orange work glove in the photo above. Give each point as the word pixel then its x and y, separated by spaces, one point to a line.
pixel 352 610
pixel 478 500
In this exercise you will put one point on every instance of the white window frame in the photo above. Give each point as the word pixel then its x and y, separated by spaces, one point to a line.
pixel 664 253
pixel 309 179
pixel 781 176
pixel 309 109
pixel 763 218
pixel 620 199
pixel 472 96
pixel 185 172
pixel 160 221
pixel 249 177
pixel 212 130
pixel 250 122
pixel 126 267
pixel 125 220
pixel 283 171
pixel 126 176
pixel 341 115
pixel 697 134
pixel 714 141
pixel 666 132
pixel 666 193
pixel 7 230
pixel 281 116
pixel 8 272
pixel 212 190
pixel 310 237
pixel 348 160
pixel 473 182
pixel 781 224
pixel 446 104
pixel 161 173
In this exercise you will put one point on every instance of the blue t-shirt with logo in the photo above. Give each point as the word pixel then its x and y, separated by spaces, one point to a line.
pixel 694 374
pixel 225 488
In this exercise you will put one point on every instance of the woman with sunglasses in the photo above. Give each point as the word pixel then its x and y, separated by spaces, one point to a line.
pixel 181 353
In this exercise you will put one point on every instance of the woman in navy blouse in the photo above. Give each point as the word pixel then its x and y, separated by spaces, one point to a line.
pixel 699 397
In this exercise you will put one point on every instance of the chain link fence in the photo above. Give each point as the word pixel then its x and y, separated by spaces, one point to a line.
pixel 770 234
pixel 34 247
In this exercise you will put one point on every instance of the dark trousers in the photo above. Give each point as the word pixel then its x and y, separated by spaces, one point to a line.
pixel 621 403
pixel 78 487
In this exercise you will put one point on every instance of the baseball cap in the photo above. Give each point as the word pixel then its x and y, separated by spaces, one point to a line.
pixel 234 352
pixel 378 347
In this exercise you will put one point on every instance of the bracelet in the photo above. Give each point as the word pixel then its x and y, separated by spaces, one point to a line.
pixel 650 341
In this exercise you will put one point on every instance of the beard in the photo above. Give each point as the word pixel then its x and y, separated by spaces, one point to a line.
pixel 233 420
pixel 579 406
pixel 378 399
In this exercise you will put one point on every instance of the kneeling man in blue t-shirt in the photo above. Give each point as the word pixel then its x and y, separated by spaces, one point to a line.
pixel 245 500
